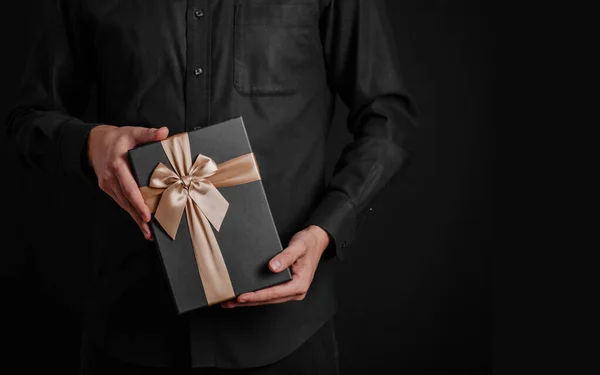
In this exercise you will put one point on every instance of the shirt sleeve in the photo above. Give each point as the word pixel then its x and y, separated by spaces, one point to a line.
pixel 45 125
pixel 362 62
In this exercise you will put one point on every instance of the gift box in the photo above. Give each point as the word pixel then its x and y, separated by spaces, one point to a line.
pixel 211 220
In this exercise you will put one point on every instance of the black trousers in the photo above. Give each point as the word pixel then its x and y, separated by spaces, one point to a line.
pixel 317 356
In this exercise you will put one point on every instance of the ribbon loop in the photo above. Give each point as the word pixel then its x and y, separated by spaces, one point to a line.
pixel 189 186
pixel 162 177
pixel 170 208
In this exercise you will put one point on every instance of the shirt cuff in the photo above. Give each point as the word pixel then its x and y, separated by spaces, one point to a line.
pixel 337 215
pixel 74 150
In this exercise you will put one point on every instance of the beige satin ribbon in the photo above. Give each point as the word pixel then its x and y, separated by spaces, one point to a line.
pixel 193 188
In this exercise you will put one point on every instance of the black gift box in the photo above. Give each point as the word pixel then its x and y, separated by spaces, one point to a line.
pixel 247 238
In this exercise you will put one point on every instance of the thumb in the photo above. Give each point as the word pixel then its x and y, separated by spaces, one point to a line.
pixel 145 135
pixel 288 256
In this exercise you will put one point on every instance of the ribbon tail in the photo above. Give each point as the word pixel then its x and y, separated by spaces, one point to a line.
pixel 211 265
pixel 170 208
pixel 212 203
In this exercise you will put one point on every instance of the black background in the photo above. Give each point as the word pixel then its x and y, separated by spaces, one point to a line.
pixel 415 289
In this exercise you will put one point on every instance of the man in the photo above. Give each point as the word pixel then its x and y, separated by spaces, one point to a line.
pixel 165 67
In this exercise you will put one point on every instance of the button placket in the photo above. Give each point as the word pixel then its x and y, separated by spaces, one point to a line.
pixel 197 110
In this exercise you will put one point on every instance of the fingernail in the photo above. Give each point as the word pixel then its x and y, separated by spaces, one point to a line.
pixel 243 298
pixel 275 264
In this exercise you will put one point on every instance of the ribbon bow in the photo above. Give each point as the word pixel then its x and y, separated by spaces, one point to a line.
pixel 193 188
pixel 180 188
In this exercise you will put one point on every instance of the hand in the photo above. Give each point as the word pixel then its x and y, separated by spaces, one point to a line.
pixel 107 154
pixel 302 254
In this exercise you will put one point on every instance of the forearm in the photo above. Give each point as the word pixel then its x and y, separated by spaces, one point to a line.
pixel 363 66
pixel 45 125
pixel 381 145
pixel 48 140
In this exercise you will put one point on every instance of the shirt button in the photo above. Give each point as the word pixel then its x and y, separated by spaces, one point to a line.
pixel 198 71
pixel 344 244
pixel 199 13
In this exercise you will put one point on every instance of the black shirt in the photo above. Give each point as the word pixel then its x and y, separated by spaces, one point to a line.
pixel 188 64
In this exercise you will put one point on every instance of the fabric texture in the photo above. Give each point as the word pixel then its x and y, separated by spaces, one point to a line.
pixel 319 355
pixel 188 64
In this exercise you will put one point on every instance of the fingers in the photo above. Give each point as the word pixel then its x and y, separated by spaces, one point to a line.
pixel 297 287
pixel 288 256
pixel 292 290
pixel 131 191
pixel 296 256
pixel 231 304
pixel 114 175
pixel 122 201
pixel 296 292
pixel 127 187
pixel 145 135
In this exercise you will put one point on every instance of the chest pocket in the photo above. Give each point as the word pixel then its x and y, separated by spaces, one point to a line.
pixel 274 47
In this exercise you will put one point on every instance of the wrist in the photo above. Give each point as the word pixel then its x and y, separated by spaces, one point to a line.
pixel 99 128
pixel 321 235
